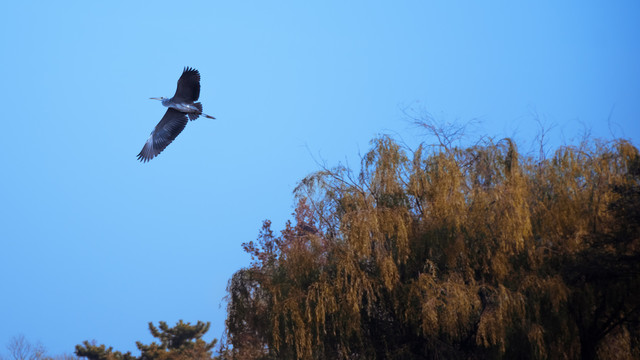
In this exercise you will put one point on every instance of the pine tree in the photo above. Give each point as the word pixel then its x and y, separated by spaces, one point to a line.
pixel 94 352
pixel 181 342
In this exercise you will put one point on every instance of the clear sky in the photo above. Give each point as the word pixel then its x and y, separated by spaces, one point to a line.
pixel 96 244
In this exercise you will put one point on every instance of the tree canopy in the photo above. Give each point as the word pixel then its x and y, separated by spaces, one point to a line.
pixel 449 252
pixel 181 342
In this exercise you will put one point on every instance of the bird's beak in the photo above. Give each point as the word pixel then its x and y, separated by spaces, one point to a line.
pixel 155 98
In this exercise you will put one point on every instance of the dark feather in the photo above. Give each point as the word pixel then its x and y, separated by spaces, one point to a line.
pixel 171 125
pixel 188 89
pixel 193 116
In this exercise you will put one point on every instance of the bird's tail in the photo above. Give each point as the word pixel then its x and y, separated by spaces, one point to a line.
pixel 199 106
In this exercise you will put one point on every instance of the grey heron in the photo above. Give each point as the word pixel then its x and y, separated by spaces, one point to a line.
pixel 181 106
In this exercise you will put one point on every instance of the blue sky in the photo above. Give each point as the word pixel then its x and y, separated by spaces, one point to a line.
pixel 96 244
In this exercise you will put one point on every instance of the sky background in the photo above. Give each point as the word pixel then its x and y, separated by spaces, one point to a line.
pixel 94 244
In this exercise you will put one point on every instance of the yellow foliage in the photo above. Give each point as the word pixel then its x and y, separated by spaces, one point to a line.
pixel 479 250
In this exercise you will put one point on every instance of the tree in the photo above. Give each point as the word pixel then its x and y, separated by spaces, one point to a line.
pixel 603 272
pixel 100 352
pixel 62 357
pixel 21 349
pixel 447 252
pixel 181 342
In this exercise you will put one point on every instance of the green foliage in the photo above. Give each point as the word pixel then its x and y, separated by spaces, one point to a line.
pixel 450 253
pixel 181 342
pixel 94 352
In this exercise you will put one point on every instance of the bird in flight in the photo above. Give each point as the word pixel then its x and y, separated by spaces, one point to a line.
pixel 181 106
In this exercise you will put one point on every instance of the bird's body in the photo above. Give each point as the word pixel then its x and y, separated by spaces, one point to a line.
pixel 181 106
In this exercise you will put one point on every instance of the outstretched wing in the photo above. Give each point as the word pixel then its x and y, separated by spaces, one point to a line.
pixel 171 125
pixel 188 86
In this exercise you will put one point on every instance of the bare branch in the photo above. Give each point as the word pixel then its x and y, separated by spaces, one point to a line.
pixel 21 349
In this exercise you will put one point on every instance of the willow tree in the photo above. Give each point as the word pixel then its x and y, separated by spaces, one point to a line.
pixel 447 252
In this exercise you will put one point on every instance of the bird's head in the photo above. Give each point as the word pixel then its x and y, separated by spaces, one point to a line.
pixel 158 98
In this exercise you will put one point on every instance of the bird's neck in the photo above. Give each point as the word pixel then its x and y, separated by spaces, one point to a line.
pixel 166 102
